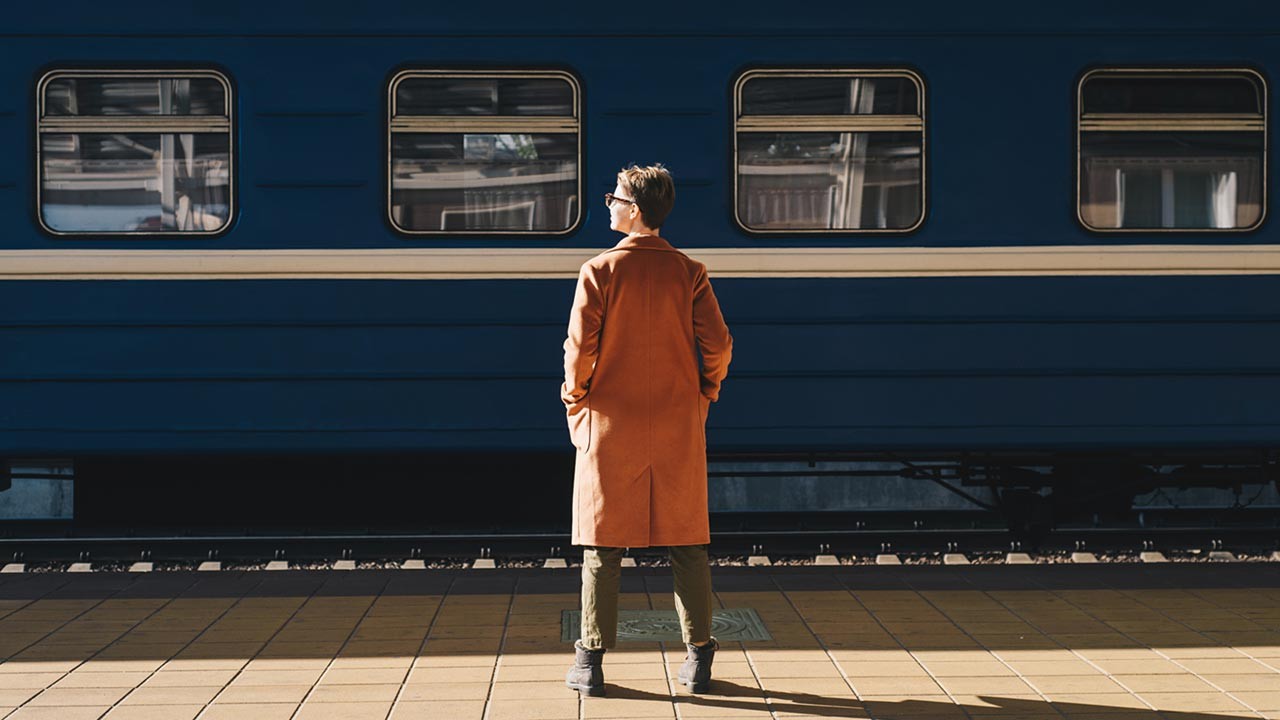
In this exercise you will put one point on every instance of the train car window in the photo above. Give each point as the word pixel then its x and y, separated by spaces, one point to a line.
pixel 829 152
pixel 125 152
pixel 484 152
pixel 1171 150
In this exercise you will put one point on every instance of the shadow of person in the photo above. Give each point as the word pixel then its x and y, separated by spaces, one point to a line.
pixel 736 698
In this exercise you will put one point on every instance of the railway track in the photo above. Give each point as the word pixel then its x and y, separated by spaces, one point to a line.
pixel 1258 534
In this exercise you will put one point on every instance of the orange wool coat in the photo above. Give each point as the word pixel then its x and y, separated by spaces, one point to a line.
pixel 636 398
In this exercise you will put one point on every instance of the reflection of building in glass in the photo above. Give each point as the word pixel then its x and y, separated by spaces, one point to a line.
pixel 862 180
pixel 1171 192
pixel 484 152
pixel 1171 149
pixel 833 151
pixel 135 153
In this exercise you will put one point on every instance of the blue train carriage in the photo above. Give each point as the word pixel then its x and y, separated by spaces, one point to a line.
pixel 1021 243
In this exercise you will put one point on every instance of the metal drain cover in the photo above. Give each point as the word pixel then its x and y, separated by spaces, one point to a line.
pixel 664 625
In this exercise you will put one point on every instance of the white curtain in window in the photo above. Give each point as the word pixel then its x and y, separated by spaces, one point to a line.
pixel 1222 203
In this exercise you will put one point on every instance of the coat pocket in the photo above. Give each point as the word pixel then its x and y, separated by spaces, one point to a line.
pixel 579 416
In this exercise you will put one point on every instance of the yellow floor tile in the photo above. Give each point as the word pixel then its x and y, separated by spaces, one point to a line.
pixel 1231 683
pixel 278 677
pixel 153 712
pixel 874 655
pixel 13 697
pixel 445 710
pixel 78 696
pixel 456 660
pixel 280 663
pixel 616 707
pixel 1140 667
pixel 553 690
pixel 110 665
pixel 250 711
pixel 936 656
pixel 913 707
pixel 33 680
pixel 548 658
pixel 187 678
pixel 300 650
pixel 1262 701
pixel 1020 706
pixel 171 695
pixel 363 676
pixel 788 687
pixel 205 664
pixel 1073 684
pixel 986 668
pixel 1102 652
pixel 262 694
pixel 1193 702
pixel 364 661
pixel 726 671
pixel 1204 652
pixel 1240 666
pixel 634 671
pixel 891 668
pixel 1098 703
pixel 986 685
pixel 1053 667
pixel 87 712
pixel 479 673
pixel 354 693
pixel 37 666
pixel 1162 683
pixel 525 673
pixel 872 686
pixel 343 711
pixel 444 691
pixel 538 709
pixel 714 707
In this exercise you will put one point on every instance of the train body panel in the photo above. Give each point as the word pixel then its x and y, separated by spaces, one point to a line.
pixel 1048 361
pixel 930 364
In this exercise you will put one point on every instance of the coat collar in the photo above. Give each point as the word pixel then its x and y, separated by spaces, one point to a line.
pixel 648 242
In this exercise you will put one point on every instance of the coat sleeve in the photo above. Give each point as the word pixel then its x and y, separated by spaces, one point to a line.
pixel 714 342
pixel 582 347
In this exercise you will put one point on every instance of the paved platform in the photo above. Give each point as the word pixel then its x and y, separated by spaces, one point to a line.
pixel 1117 642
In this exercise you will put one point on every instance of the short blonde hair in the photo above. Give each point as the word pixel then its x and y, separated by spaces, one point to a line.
pixel 652 189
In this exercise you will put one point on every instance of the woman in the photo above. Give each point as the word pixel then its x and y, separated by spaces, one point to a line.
pixel 637 400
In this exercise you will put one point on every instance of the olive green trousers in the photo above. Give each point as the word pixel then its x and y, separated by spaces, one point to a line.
pixel 602 572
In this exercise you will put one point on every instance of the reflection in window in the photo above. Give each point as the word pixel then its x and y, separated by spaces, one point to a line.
pixel 137 153
pixel 1171 150
pixel 767 95
pixel 436 95
pixel 829 180
pixel 486 152
pixel 834 151
pixel 65 96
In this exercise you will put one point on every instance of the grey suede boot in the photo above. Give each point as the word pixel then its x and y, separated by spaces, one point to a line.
pixel 586 675
pixel 695 673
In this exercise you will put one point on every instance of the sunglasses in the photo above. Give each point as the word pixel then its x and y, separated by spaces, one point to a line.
pixel 610 197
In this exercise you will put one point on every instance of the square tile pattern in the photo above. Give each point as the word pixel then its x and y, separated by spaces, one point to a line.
pixel 1127 643
pixel 731 624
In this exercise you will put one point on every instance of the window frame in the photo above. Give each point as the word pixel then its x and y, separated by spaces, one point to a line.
pixel 1168 122
pixel 463 124
pixel 842 123
pixel 159 124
